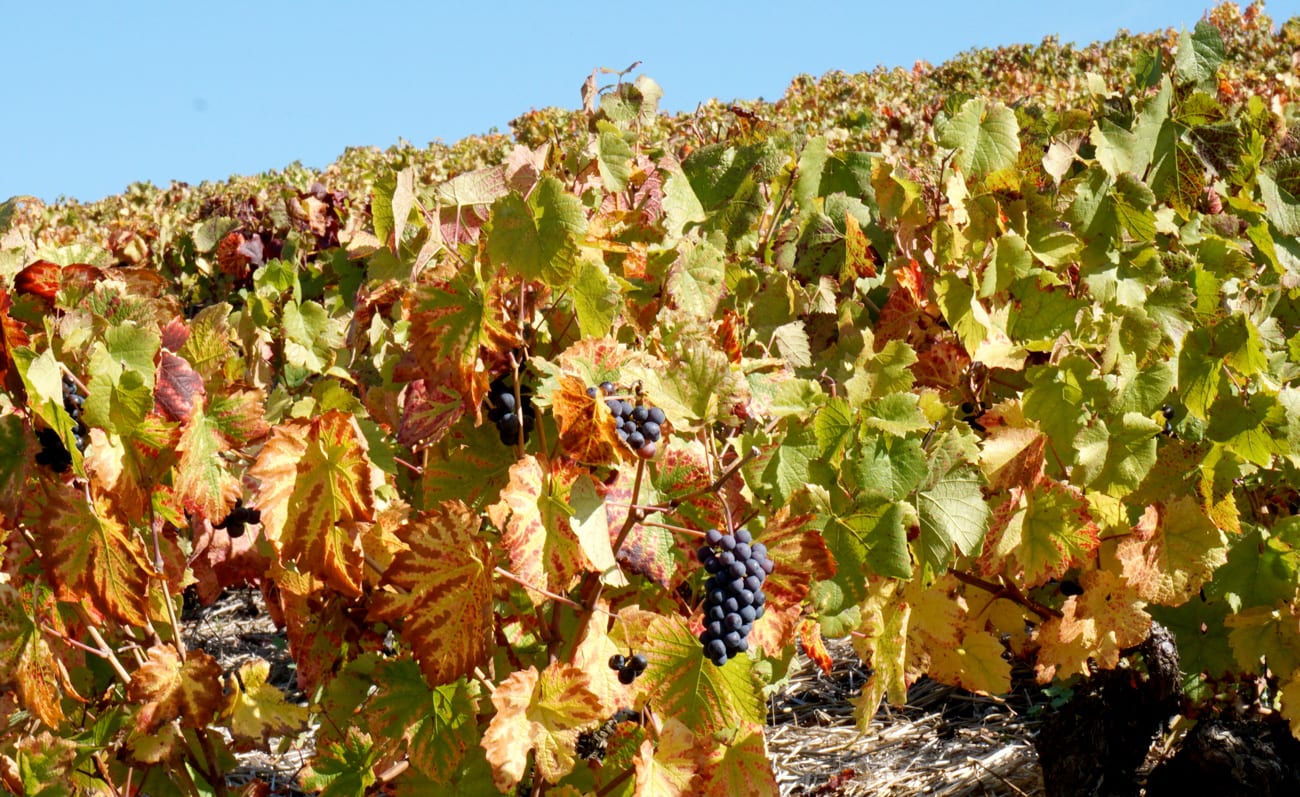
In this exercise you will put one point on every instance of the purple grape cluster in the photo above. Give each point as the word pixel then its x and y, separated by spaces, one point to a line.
pixel 628 667
pixel 733 593
pixel 512 418
pixel 73 401
pixel 638 426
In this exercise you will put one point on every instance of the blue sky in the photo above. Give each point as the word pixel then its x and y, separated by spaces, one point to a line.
pixel 98 95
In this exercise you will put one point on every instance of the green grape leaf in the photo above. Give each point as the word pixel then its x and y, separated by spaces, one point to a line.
pixel 986 137
pixel 689 687
pixel 951 510
pixel 1115 458
pixel 538 237
pixel 1200 52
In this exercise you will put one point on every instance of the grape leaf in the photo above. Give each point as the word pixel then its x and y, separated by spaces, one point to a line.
pixel 28 661
pixel 169 688
pixel 985 136
pixel 1038 533
pixel 1107 618
pixel 739 765
pixel 343 768
pixel 1173 551
pixel 544 550
pixel 92 558
pixel 175 387
pixel 538 237
pixel 951 511
pixel 256 710
pixel 443 595
pixel 671 766
pixel 881 642
pixel 1265 634
pixel 542 713
pixel 704 697
pixel 203 480
pixel 315 492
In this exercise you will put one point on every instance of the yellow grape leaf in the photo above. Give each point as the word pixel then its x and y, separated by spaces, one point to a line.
pixel 1263 633
pixel 542 712
pixel 92 558
pixel 1038 533
pixel 670 768
pixel 1107 618
pixel 164 743
pixel 170 688
pixel 975 664
pixel 740 767
pixel 1172 552
pixel 443 595
pixel 202 479
pixel 595 647
pixel 26 659
pixel 254 710
pixel 315 495
pixel 542 547
pixel 883 645
pixel 1013 451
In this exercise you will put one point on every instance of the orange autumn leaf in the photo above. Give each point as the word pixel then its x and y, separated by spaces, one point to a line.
pixel 316 494
pixel 170 689
pixel 27 659
pixel 443 595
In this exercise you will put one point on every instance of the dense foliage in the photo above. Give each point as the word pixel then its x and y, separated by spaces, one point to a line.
pixel 981 363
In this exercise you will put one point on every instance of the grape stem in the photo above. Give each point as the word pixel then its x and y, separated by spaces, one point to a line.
pixel 1006 590
pixel 634 516
pixel 506 574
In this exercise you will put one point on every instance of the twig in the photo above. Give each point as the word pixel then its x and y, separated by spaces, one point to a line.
pixel 506 574
pixel 1006 590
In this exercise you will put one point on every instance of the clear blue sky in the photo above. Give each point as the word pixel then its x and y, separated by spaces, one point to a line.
pixel 98 95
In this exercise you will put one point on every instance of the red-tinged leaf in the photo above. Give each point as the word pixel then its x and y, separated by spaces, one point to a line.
pixel 240 415
pixel 169 688
pixel 443 596
pixel 203 481
pixel 12 336
pixel 800 555
pixel 814 646
pixel 542 713
pixel 682 469
pixel 860 258
pixel 1038 533
pixel 1173 551
pixel 1013 451
pixel 91 557
pixel 536 534
pixel 255 710
pixel 942 362
pixel 174 335
pixel 128 468
pixel 668 766
pixel 28 662
pixel 220 561
pixel 740 767
pixel 428 411
pixel 315 493
pixel 40 279
pixel 324 628
pixel 175 387
pixel 453 324
pixel 370 302
pixel 912 279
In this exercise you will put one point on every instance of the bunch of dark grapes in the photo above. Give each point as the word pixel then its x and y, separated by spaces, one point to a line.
pixel 73 401
pixel 240 516
pixel 628 668
pixel 511 417
pixel 638 426
pixel 53 454
pixel 1168 412
pixel 733 593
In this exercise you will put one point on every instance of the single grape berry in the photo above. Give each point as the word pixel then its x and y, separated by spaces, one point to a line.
pixel 638 663
pixel 617 662
pixel 626 676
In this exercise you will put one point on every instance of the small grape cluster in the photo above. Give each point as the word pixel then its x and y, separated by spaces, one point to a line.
pixel 240 516
pixel 638 426
pixel 733 593
pixel 511 417
pixel 73 401
pixel 628 668
pixel 1168 412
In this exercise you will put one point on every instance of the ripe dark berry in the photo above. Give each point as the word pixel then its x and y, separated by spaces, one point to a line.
pixel 626 676
pixel 607 387
pixel 638 663
pixel 617 662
